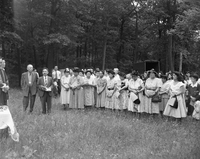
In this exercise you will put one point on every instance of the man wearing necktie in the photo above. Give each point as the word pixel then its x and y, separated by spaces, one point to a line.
pixel 29 87
pixel 45 85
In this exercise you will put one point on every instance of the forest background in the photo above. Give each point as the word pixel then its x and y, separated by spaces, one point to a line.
pixel 99 33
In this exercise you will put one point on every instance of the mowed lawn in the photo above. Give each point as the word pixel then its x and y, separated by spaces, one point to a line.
pixel 97 134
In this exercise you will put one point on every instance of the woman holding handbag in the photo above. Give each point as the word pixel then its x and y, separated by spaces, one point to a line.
pixel 152 87
pixel 176 106
pixel 136 87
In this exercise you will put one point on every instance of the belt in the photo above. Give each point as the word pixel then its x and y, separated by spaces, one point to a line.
pixel 110 89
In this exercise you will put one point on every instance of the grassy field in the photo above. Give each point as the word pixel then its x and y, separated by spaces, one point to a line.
pixel 97 134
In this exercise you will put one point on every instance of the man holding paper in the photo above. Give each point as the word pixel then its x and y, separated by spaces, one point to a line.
pixel 45 85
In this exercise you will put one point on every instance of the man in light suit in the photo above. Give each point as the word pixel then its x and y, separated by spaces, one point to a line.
pixel 29 87
pixel 45 85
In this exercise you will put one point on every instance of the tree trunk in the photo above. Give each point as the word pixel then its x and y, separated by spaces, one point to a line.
pixel 104 53
pixel 171 66
pixel 181 62
pixel 19 65
pixel 118 58
pixel 35 56
pixel 3 49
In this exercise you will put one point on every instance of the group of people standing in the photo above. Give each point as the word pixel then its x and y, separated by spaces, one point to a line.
pixel 150 93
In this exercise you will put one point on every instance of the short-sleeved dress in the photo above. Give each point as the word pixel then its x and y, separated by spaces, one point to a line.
pixel 76 96
pixel 181 111
pixel 136 85
pixel 110 95
pixel 123 98
pixel 165 96
pixel 89 91
pixel 101 98
pixel 150 86
pixel 65 94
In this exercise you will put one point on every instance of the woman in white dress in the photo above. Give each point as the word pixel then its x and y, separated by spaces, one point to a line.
pixel 176 89
pixel 65 93
pixel 110 90
pixel 136 87
pixel 152 87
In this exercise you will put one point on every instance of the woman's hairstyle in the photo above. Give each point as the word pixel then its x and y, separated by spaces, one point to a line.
pixel 122 74
pixel 164 77
pixel 179 76
pixel 195 76
pixel 111 72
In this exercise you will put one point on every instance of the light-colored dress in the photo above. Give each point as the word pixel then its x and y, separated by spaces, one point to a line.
pixel 111 86
pixel 101 98
pixel 89 91
pixel 165 96
pixel 150 86
pixel 65 94
pixel 124 96
pixel 196 112
pixel 76 96
pixel 136 86
pixel 181 111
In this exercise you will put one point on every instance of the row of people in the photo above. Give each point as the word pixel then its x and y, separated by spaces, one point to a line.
pixel 129 92
pixel 115 90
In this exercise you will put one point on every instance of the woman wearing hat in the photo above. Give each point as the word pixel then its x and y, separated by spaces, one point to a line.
pixel 176 90
pixel 136 87
pixel 193 93
pixel 152 87
pixel 110 90
pixel 88 86
pixel 76 90
pixel 64 96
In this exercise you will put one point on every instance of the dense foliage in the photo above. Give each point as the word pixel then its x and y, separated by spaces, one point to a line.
pixel 100 33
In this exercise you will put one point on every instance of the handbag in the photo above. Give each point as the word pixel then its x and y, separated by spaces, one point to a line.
pixel 173 102
pixel 156 98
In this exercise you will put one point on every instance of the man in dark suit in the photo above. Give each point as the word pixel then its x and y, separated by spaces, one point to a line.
pixel 45 85
pixel 29 87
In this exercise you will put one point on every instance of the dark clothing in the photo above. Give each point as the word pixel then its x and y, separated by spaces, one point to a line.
pixel 29 88
pixel 46 102
pixel 26 102
pixel 3 80
pixel 193 90
pixel 45 96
